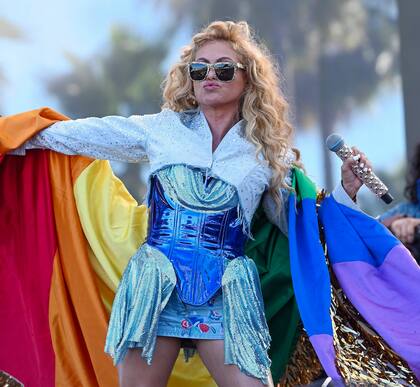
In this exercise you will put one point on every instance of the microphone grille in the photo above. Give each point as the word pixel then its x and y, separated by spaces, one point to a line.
pixel 334 142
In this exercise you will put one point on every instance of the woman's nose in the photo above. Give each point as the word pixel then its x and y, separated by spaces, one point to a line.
pixel 211 74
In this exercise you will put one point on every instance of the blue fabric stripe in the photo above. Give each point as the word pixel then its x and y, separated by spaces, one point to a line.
pixel 342 227
pixel 310 275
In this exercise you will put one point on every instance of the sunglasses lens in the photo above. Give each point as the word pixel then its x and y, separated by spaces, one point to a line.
pixel 198 71
pixel 224 71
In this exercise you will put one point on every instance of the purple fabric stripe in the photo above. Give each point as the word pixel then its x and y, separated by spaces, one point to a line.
pixel 388 297
pixel 324 348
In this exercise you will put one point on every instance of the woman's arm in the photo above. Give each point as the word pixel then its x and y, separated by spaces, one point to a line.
pixel 110 138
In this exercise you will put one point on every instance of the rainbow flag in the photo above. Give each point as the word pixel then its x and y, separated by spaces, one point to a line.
pixel 69 227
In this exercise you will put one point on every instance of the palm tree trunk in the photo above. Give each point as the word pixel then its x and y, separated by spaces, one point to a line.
pixel 409 16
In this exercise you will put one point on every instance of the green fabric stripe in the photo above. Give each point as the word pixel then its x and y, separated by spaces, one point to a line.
pixel 304 186
pixel 270 251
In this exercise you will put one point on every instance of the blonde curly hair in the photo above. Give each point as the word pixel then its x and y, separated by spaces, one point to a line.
pixel 263 106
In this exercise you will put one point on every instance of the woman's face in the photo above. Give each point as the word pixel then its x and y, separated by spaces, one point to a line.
pixel 214 93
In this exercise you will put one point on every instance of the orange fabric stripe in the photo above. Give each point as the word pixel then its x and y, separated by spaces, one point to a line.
pixel 78 319
pixel 18 128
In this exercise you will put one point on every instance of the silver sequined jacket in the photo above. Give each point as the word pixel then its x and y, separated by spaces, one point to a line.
pixel 169 138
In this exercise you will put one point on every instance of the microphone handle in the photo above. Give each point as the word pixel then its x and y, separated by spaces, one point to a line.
pixel 366 175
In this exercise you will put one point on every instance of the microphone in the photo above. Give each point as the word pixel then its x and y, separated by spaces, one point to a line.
pixel 335 143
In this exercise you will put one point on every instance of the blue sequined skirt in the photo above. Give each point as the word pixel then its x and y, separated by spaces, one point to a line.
pixel 190 321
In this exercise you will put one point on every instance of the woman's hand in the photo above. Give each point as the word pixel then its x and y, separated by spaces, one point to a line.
pixel 405 228
pixel 350 181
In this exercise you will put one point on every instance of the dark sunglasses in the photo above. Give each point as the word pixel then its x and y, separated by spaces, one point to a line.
pixel 225 71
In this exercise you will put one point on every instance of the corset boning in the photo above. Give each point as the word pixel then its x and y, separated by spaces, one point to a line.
pixel 197 243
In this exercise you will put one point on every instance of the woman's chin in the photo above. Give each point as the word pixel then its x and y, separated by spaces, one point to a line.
pixel 215 102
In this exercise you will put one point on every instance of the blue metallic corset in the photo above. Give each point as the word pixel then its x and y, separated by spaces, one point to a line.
pixel 197 243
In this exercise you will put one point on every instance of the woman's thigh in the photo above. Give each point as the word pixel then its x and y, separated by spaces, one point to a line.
pixel 225 375
pixel 133 371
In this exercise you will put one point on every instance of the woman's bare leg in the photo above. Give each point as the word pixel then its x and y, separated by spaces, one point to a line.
pixel 213 355
pixel 133 371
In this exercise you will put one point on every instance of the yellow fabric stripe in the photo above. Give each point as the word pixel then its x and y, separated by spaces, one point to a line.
pixel 115 226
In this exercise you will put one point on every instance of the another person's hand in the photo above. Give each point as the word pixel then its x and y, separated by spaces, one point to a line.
pixel 351 182
pixel 405 228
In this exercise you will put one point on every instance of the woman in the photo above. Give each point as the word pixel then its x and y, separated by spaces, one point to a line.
pixel 221 141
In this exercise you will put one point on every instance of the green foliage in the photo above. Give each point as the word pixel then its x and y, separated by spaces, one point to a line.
pixel 124 79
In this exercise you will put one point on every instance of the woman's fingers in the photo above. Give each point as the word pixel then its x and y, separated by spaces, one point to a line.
pixel 348 164
pixel 362 159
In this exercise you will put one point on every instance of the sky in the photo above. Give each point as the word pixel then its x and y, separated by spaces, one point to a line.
pixel 54 28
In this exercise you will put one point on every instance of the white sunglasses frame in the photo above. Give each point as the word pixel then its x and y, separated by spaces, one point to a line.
pixel 236 66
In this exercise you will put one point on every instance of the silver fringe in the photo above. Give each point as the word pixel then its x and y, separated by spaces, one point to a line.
pixel 247 338
pixel 144 290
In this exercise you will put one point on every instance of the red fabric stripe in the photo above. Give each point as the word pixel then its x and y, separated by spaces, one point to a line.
pixel 27 248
